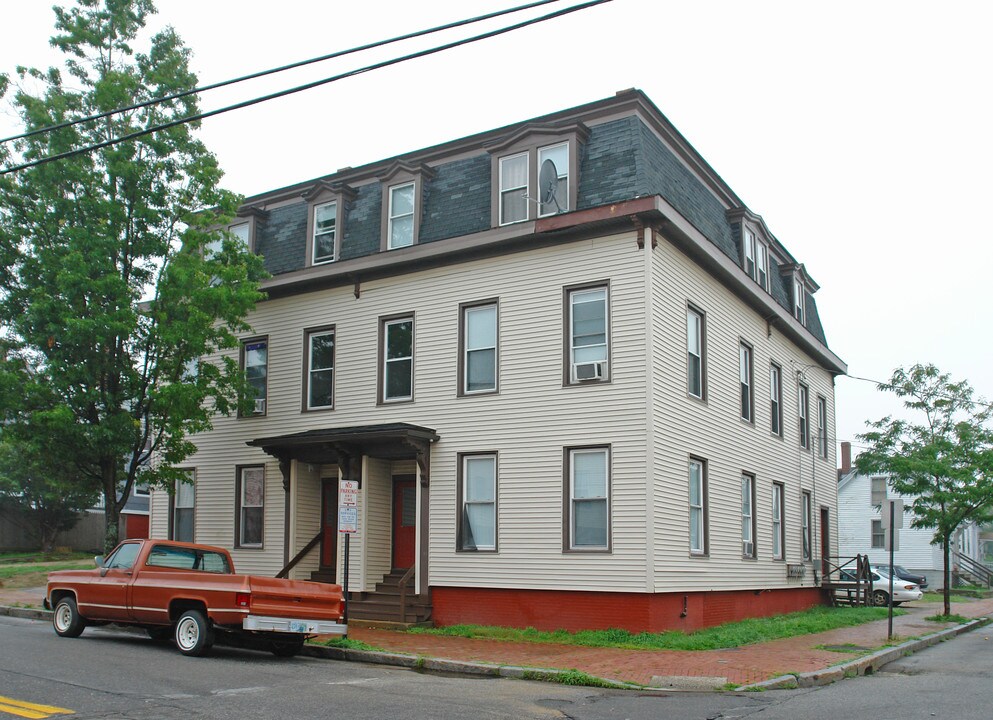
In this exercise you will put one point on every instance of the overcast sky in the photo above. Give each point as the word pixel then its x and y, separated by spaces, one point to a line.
pixel 862 132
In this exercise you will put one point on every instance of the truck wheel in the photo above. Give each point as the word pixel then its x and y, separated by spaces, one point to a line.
pixel 66 619
pixel 194 635
pixel 286 648
pixel 880 598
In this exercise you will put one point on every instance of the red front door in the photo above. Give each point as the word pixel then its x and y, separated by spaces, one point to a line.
pixel 404 521
pixel 329 524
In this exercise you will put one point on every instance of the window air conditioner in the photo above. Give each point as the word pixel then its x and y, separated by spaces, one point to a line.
pixel 260 406
pixel 588 371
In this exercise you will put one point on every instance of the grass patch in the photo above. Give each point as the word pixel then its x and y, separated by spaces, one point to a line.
pixel 844 648
pixel 736 634
pixel 10 558
pixel 569 677
pixel 346 644
pixel 957 619
pixel 937 597
pixel 24 575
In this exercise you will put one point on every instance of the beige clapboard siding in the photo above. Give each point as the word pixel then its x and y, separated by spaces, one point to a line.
pixel 713 431
pixel 305 517
pixel 375 558
pixel 531 404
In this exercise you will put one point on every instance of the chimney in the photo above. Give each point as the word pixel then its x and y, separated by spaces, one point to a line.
pixel 846 457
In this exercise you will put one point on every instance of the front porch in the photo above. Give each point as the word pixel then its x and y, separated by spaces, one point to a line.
pixel 387 556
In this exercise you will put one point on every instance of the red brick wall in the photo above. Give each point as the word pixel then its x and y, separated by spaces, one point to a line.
pixel 572 610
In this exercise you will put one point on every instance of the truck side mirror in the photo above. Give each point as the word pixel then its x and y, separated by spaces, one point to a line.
pixel 98 559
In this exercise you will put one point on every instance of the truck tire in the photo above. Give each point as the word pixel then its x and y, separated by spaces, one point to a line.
pixel 66 618
pixel 286 648
pixel 193 635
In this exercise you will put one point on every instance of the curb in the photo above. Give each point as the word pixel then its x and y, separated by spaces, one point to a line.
pixel 866 665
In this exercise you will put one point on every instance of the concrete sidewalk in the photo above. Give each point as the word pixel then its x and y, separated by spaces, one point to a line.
pixel 798 660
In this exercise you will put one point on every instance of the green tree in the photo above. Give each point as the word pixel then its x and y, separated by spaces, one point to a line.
pixel 943 458
pixel 111 286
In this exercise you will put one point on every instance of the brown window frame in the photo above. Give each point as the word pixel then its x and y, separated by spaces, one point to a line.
pixel 172 507
pixel 308 333
pixel 695 310
pixel 460 545
pixel 781 487
pixel 239 480
pixel 568 544
pixel 385 320
pixel 567 293
pixel 704 550
pixel 753 524
pixel 463 365
pixel 749 354
pixel 242 352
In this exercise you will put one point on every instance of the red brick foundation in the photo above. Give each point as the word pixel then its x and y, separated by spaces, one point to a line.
pixel 575 610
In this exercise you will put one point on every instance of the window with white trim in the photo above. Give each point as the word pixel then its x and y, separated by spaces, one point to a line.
pixel 183 501
pixel 806 527
pixel 325 228
pixel 803 415
pixel 776 399
pixel 397 359
pixel 778 530
pixel 822 438
pixel 799 302
pixel 762 265
pixel 514 188
pixel 694 352
pixel 878 535
pixel 479 349
pixel 255 365
pixel 589 503
pixel 747 515
pixel 320 369
pixel 478 496
pixel 588 334
pixel 698 507
pixel 250 495
pixel 877 490
pixel 559 202
pixel 745 382
pixel 749 253
pixel 401 216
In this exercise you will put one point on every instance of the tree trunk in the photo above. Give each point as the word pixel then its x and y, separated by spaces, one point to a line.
pixel 111 513
pixel 946 553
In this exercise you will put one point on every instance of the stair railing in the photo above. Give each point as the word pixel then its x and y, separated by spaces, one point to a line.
pixel 403 593
pixel 976 569
pixel 300 555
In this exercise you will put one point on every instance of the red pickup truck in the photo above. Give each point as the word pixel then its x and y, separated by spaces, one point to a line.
pixel 189 592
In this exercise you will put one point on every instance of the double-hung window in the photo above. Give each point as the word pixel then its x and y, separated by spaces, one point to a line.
pixel 325 224
pixel 805 519
pixel 762 266
pixel 822 439
pixel 588 503
pixel 397 369
pixel 183 506
pixel 255 364
pixel 803 415
pixel 401 216
pixel 776 399
pixel 694 353
pixel 479 349
pixel 588 334
pixel 878 535
pixel 478 496
pixel 250 497
pixel 799 302
pixel 747 515
pixel 698 507
pixel 320 369
pixel 750 253
pixel 745 382
pixel 877 489
pixel 514 188
pixel 778 531
pixel 559 200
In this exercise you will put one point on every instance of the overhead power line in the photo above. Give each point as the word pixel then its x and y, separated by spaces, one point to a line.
pixel 301 88
pixel 273 71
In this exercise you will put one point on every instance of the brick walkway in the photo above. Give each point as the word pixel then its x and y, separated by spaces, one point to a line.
pixel 748 664
pixel 743 665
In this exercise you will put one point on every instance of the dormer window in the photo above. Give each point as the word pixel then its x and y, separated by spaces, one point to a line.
pixel 242 232
pixel 401 217
pixel 799 302
pixel 325 222
pixel 756 259
pixel 517 173
pixel 403 186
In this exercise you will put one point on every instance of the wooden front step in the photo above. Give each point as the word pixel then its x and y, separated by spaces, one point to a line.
pixel 384 603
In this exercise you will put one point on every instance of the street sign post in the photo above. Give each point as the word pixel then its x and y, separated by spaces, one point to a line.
pixel 348 523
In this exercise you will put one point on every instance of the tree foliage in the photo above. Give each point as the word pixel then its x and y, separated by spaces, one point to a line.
pixel 943 458
pixel 108 293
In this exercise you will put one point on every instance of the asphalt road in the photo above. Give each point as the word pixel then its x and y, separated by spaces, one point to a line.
pixel 108 673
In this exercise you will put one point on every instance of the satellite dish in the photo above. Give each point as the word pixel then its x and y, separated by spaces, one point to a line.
pixel 548 183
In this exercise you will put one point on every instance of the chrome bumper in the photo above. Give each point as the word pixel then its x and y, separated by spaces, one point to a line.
pixel 303 626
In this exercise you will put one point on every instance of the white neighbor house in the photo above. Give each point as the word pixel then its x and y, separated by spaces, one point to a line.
pixel 860 530
pixel 579 382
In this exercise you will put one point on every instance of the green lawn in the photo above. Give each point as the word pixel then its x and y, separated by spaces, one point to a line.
pixel 24 574
pixel 722 636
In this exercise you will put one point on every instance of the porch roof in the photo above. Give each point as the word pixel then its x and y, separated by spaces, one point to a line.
pixel 389 441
